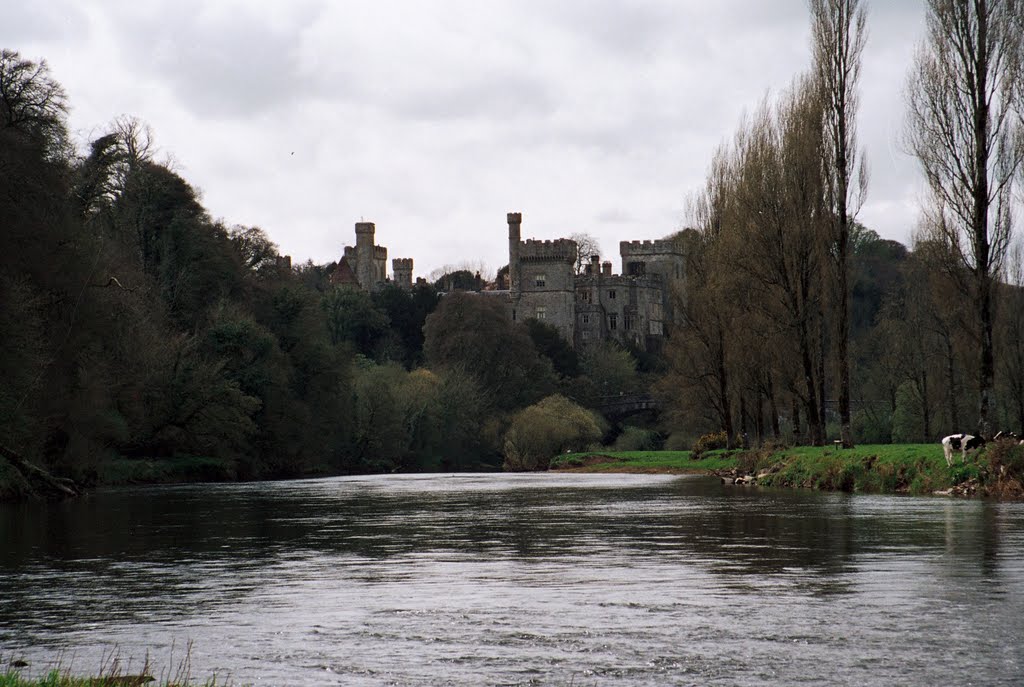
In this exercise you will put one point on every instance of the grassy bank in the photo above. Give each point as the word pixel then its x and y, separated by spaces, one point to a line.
pixel 885 468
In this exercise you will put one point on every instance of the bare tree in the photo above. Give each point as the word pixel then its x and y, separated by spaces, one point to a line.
pixel 587 246
pixel 699 382
pixel 778 203
pixel 838 37
pixel 966 102
pixel 33 103
pixel 1011 359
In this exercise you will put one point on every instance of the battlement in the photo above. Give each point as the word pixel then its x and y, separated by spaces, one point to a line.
pixel 380 253
pixel 365 228
pixel 658 247
pixel 559 250
pixel 515 217
pixel 401 264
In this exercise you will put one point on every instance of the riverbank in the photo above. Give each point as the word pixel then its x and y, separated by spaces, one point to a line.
pixel 995 471
pixel 56 678
pixel 21 480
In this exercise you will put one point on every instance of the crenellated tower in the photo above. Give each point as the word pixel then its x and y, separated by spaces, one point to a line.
pixel 541 278
pixel 401 268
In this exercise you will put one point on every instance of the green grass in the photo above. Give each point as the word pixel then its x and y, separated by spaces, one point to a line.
pixel 882 468
pixel 645 461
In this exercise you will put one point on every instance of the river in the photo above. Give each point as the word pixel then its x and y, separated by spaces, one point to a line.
pixel 540 579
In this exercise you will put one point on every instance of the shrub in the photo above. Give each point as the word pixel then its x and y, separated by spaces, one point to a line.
pixel 1005 459
pixel 636 439
pixel 710 442
pixel 678 441
pixel 547 428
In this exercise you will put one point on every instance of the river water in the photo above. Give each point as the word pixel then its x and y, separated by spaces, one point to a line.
pixel 546 579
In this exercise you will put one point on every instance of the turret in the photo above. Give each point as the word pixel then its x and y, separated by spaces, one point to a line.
pixel 365 254
pixel 515 222
pixel 402 270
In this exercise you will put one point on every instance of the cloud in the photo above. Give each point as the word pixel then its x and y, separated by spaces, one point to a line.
pixel 218 59
pixel 435 119
pixel 29 22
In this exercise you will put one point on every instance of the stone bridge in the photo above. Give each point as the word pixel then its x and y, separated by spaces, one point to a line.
pixel 624 405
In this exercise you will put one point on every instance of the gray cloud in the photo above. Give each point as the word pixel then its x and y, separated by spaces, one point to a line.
pixel 434 119
pixel 224 62
pixel 28 22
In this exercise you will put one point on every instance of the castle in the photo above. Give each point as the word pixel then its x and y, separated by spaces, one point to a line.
pixel 632 307
pixel 596 305
pixel 364 265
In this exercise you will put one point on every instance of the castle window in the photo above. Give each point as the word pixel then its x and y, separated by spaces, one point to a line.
pixel 585 296
pixel 637 268
pixel 613 321
pixel 585 334
pixel 513 314
pixel 540 280
pixel 628 322
pixel 542 313
pixel 586 319
pixel 611 294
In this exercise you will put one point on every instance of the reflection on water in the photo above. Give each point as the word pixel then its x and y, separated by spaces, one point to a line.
pixel 520 579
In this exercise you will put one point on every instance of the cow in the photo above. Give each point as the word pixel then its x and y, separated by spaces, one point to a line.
pixel 962 443
pixel 1009 436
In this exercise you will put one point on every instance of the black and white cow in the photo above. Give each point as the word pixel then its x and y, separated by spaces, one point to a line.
pixel 962 443
pixel 1008 436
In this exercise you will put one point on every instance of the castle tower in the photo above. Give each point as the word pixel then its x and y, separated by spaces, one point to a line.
pixel 515 222
pixel 365 254
pixel 402 270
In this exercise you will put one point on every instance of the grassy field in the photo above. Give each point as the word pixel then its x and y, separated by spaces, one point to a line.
pixel 644 461
pixel 883 468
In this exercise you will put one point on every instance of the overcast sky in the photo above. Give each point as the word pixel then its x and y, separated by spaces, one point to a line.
pixel 434 119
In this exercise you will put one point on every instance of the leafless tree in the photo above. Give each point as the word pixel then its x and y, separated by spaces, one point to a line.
pixel 587 246
pixel 33 103
pixel 1011 359
pixel 838 36
pixel 699 383
pixel 777 204
pixel 965 108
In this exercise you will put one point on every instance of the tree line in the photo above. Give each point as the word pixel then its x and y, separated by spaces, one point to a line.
pixel 771 329
pixel 139 330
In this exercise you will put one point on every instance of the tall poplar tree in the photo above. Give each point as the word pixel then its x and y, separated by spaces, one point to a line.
pixel 966 103
pixel 838 37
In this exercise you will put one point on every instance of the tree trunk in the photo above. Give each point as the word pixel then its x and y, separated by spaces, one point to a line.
pixel 41 481
pixel 987 371
pixel 723 390
pixel 811 401
pixel 926 415
pixel 954 410
pixel 843 345
pixel 796 420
